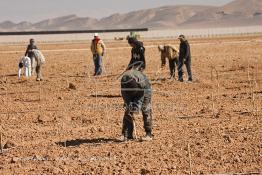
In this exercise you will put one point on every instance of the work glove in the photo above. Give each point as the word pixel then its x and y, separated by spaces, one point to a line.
pixel 185 60
pixel 135 107
pixel 20 65
pixel 131 107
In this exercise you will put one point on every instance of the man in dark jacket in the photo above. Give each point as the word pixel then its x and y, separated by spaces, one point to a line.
pixel 136 92
pixel 184 58
pixel 30 54
pixel 137 55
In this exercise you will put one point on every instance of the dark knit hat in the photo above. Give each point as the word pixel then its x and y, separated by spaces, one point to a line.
pixel 132 40
pixel 181 37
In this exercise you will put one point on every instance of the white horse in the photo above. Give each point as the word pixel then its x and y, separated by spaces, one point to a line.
pixel 25 62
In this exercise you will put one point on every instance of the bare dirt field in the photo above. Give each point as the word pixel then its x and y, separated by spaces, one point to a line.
pixel 210 126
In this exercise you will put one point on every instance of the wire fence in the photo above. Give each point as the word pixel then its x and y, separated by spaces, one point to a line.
pixel 151 34
pixel 252 91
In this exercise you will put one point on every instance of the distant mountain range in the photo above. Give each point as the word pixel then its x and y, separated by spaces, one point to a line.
pixel 236 13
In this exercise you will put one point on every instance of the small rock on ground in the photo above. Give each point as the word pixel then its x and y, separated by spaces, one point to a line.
pixel 72 86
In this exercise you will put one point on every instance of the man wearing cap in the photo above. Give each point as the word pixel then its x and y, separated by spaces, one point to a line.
pixel 137 55
pixel 184 58
pixel 98 49
pixel 136 92
pixel 29 53
pixel 170 52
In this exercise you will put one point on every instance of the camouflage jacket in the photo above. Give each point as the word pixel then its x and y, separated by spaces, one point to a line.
pixel 135 86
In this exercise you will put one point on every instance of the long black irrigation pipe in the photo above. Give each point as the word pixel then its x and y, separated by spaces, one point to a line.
pixel 73 31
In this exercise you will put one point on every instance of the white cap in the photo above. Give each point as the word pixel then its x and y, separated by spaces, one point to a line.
pixel 96 34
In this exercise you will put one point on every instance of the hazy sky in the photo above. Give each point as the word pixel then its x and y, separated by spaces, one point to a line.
pixel 37 10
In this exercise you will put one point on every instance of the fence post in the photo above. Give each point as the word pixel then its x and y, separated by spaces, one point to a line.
pixel 213 105
pixel 1 142
pixel 212 95
pixel 190 158
pixel 7 100
pixel 40 93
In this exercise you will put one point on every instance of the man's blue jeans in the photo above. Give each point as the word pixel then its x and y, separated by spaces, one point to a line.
pixel 98 64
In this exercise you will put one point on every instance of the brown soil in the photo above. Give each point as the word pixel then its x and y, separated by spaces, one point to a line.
pixel 58 130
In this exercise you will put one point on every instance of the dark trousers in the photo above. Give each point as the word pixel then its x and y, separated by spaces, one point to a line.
pixel 172 67
pixel 98 64
pixel 128 124
pixel 188 67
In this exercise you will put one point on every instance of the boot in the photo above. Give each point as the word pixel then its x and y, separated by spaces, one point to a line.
pixel 126 136
pixel 122 138
pixel 147 137
pixel 39 79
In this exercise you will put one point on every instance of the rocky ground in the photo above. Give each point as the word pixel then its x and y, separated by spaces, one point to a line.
pixel 70 122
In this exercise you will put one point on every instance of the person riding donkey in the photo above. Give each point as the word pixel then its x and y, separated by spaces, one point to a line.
pixel 29 53
pixel 37 60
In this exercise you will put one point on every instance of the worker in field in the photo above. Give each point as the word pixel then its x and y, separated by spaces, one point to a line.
pixel 170 52
pixel 136 92
pixel 184 58
pixel 137 55
pixel 98 50
pixel 29 53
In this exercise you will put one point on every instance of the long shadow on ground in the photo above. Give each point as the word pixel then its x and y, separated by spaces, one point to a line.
pixel 106 96
pixel 10 75
pixel 78 142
